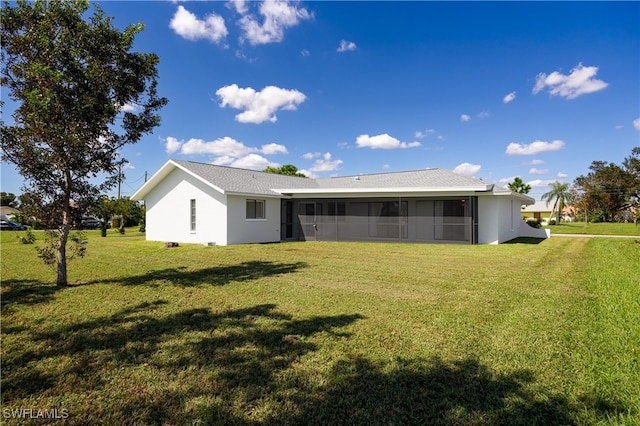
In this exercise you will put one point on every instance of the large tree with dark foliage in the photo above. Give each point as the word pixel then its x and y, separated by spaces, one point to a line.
pixel 81 95
pixel 608 189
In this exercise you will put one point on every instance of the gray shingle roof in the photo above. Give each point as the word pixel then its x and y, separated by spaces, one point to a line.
pixel 244 181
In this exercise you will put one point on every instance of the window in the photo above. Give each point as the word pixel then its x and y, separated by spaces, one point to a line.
pixel 255 209
pixel 193 215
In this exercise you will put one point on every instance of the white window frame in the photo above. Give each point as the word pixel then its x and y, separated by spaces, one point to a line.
pixel 192 215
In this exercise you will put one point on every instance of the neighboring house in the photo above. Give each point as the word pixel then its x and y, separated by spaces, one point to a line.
pixel 7 212
pixel 540 211
pixel 190 202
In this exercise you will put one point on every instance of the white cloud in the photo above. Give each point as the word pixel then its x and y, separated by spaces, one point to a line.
pixel 172 145
pixel 507 180
pixel 467 169
pixel 346 46
pixel 276 17
pixel 483 114
pixel 534 162
pixel 509 98
pixel 539 183
pixel 253 162
pixel 636 124
pixel 305 53
pixel 274 148
pixel 259 106
pixel 227 151
pixel 423 134
pixel 325 164
pixel 188 26
pixel 383 141
pixel 311 155
pixel 240 6
pixel 534 171
pixel 562 175
pixel 385 167
pixel 533 148
pixel 465 117
pixel 580 81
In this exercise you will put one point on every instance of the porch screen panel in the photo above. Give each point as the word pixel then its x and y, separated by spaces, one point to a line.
pixel 387 219
pixel 451 221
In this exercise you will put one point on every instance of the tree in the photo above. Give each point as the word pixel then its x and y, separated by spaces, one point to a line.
pixel 519 186
pixel 609 189
pixel 287 169
pixel 8 199
pixel 81 96
pixel 559 191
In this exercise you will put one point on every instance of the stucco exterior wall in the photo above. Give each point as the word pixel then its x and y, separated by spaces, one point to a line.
pixel 168 215
pixel 242 230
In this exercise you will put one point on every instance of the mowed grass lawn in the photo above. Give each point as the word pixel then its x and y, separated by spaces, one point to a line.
pixel 602 228
pixel 325 333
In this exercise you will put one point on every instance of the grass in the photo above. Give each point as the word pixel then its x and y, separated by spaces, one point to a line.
pixel 325 333
pixel 595 228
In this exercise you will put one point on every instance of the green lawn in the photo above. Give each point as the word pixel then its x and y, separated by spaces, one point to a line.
pixel 595 228
pixel 325 333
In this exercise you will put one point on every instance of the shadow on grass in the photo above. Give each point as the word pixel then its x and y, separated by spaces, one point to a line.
pixel 525 240
pixel 26 292
pixel 217 276
pixel 249 366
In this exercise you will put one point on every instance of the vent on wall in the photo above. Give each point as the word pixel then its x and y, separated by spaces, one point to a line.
pixel 210 244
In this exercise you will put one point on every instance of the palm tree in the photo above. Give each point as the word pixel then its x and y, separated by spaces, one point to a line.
pixel 559 191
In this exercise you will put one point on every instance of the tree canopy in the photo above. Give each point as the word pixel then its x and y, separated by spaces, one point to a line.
pixel 82 95
pixel 287 169
pixel 519 186
pixel 609 190
pixel 560 192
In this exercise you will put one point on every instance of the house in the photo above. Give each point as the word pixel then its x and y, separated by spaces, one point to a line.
pixel 542 211
pixel 191 202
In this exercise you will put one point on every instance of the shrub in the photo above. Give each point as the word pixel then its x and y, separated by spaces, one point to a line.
pixel 534 223
pixel 28 237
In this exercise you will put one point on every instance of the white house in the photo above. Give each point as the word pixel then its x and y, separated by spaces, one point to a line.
pixel 191 202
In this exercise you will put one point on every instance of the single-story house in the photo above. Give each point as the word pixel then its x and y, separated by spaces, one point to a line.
pixel 542 212
pixel 190 202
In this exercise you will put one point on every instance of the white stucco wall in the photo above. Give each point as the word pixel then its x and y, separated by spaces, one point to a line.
pixel 242 230
pixel 169 211
pixel 499 220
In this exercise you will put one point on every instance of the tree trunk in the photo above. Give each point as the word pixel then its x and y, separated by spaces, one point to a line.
pixel 61 256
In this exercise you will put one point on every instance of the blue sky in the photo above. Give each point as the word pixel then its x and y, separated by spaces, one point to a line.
pixel 491 90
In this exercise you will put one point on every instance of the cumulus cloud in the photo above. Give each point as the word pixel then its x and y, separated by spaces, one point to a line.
pixel 240 6
pixel 188 26
pixel 253 162
pixel 172 145
pixel 465 117
pixel 227 151
pixel 383 141
pixel 467 169
pixel 534 162
pixel 509 97
pixel 507 180
pixel 346 46
pixel 483 114
pixel 580 81
pixel 636 124
pixel 533 148
pixel 539 183
pixel 276 16
pixel 259 106
pixel 562 175
pixel 324 163
pixel 534 171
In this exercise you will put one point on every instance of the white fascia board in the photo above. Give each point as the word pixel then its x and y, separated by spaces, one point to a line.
pixel 413 192
pixel 164 171
pixel 254 195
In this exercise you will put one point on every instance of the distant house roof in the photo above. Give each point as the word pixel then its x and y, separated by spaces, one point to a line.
pixel 229 180
pixel 5 210
pixel 539 206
